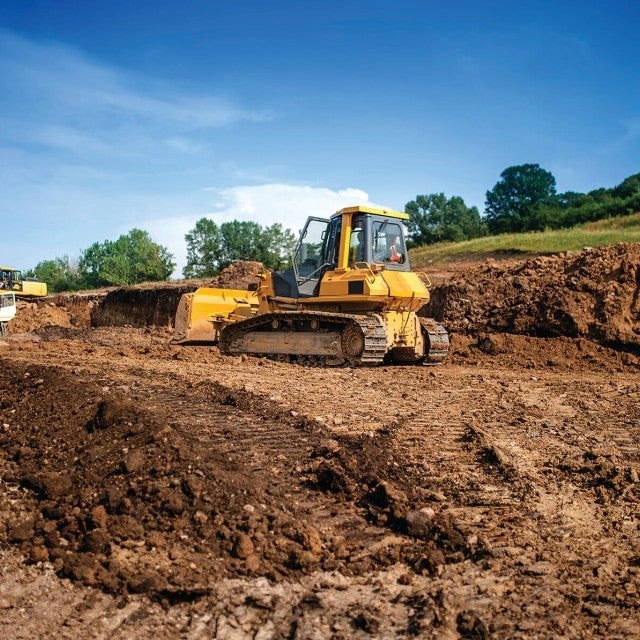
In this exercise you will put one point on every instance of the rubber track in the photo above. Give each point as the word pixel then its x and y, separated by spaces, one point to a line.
pixel 372 327
pixel 438 341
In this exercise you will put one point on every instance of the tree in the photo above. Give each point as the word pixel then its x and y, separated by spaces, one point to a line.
pixel 628 187
pixel 241 241
pixel 211 248
pixel 59 274
pixel 512 204
pixel 568 199
pixel 434 218
pixel 203 250
pixel 131 259
pixel 275 246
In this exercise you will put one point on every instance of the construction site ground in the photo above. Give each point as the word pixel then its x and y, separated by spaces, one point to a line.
pixel 157 491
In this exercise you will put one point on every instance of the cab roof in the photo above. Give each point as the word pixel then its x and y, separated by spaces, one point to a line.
pixel 380 212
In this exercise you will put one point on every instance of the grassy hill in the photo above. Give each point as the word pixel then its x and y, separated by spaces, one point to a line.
pixel 605 232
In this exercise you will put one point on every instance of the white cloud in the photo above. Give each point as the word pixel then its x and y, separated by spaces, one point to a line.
pixel 266 204
pixel 82 105
pixel 290 205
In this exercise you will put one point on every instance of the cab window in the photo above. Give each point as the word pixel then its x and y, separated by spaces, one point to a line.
pixel 357 241
pixel 388 243
pixel 310 255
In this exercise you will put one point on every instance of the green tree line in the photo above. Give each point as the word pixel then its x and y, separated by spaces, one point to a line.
pixel 523 199
pixel 134 257
pixel 131 259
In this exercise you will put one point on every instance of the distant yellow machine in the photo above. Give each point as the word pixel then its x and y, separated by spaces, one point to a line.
pixel 12 280
pixel 349 298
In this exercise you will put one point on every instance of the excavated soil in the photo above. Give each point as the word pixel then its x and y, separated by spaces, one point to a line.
pixel 155 491
pixel 594 295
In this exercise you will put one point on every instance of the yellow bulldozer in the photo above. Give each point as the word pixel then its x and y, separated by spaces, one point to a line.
pixel 350 298
pixel 12 280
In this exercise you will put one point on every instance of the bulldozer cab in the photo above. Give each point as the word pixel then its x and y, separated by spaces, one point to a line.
pixel 9 278
pixel 374 236
pixel 353 236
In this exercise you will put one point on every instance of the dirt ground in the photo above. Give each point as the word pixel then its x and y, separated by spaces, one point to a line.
pixel 155 491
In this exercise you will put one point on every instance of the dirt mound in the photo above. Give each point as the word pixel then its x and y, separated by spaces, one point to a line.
pixel 128 500
pixel 527 352
pixel 238 275
pixel 58 310
pixel 31 316
pixel 594 295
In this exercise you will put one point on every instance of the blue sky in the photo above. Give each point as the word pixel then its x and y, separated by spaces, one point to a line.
pixel 115 115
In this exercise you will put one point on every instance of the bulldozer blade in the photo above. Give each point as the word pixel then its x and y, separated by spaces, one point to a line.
pixel 201 314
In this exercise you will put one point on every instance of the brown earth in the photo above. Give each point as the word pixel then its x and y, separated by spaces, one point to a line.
pixel 155 491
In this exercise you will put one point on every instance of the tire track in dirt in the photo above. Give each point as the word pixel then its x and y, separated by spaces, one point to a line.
pixel 545 429
pixel 293 457
pixel 500 475
pixel 189 445
pixel 229 423
pixel 503 452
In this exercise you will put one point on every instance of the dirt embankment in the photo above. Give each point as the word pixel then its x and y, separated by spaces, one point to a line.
pixel 59 310
pixel 156 305
pixel 138 306
pixel 594 295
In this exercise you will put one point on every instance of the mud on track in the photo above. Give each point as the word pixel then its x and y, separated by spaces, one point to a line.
pixel 164 492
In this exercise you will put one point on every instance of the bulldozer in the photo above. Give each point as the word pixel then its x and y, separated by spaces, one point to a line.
pixel 12 280
pixel 349 298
